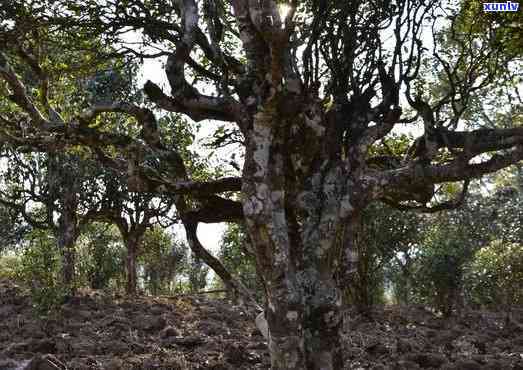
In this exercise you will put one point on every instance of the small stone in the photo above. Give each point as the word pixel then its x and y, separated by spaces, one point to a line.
pixel 464 364
pixel 403 346
pixel 116 347
pixel 84 314
pixel 113 364
pixel 153 323
pixel 235 354
pixel 11 364
pixel 406 365
pixel 377 349
pixel 427 360
pixel 257 346
pixel 211 328
pixel 190 341
pixel 169 331
pixel 261 324
pixel 45 362
pixel 45 346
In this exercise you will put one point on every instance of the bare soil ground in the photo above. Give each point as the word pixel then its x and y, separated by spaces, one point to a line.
pixel 193 332
pixel 414 338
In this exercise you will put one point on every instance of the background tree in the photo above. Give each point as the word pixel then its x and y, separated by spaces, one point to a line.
pixel 385 234
pixel 101 257
pixel 445 258
pixel 133 214
pixel 53 192
pixel 445 252
pixel 40 267
pixel 13 229
pixel 495 273
pixel 495 276
pixel 58 182
pixel 197 274
pixel 237 256
pixel 163 260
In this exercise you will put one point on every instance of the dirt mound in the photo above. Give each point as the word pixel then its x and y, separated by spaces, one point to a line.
pixel 92 332
pixel 193 332
pixel 415 338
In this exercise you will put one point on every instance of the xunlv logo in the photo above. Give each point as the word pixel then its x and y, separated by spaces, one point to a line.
pixel 500 7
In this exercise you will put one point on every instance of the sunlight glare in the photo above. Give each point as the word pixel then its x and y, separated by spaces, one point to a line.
pixel 284 10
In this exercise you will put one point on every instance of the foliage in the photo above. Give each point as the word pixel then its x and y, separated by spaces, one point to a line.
pixel 448 245
pixel 196 272
pixel 495 276
pixel 237 256
pixel 13 229
pixel 39 269
pixel 441 265
pixel 163 261
pixel 9 263
pixel 505 210
pixel 500 28
pixel 399 275
pixel 439 274
pixel 101 257
pixel 385 233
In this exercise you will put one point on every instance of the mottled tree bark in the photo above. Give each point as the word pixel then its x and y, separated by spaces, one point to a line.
pixel 296 207
pixel 303 302
pixel 132 244
pixel 67 231
pixel 66 244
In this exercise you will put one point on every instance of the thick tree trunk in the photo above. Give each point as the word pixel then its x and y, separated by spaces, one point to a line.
pixel 67 236
pixel 64 188
pixel 406 292
pixel 297 208
pixel 304 316
pixel 66 244
pixel 132 243
pixel 305 336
